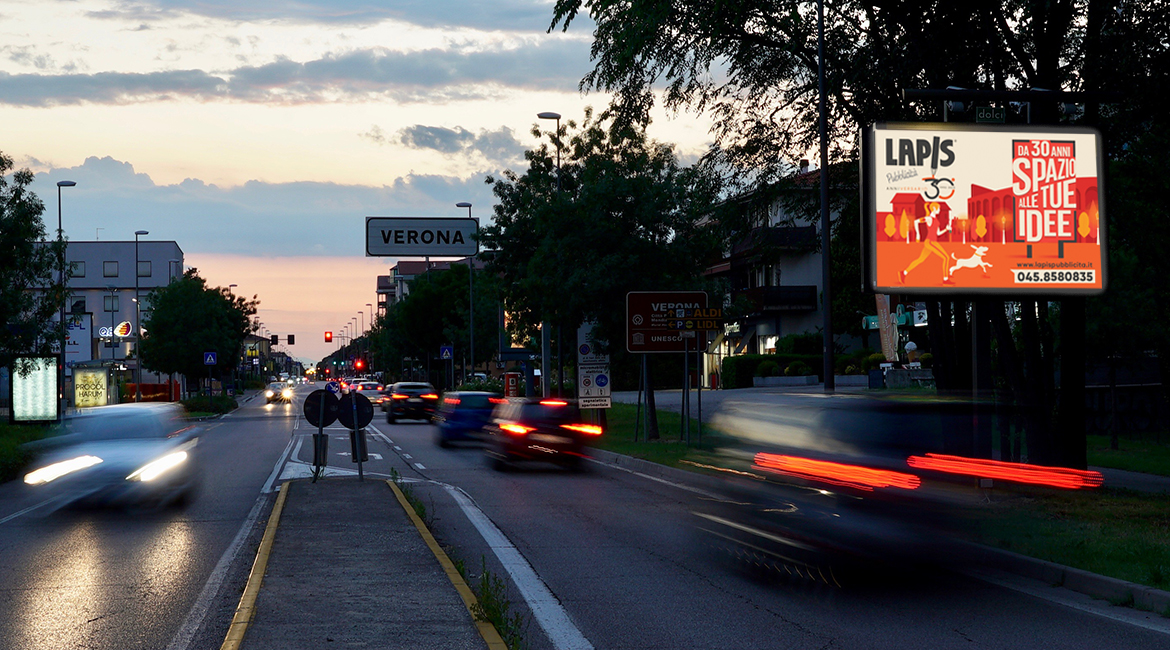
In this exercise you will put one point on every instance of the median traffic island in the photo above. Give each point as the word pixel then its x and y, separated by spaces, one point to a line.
pixel 342 565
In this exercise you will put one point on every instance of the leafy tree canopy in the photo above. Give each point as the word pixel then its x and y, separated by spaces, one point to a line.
pixel 30 291
pixel 188 318
pixel 627 217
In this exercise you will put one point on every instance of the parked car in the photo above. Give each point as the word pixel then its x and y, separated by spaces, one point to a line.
pixel 412 400
pixel 124 454
pixel 278 391
pixel 535 429
pixel 463 415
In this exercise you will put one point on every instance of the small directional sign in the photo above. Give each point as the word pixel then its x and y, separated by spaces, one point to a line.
pixel 209 359
pixel 446 352
pixel 333 387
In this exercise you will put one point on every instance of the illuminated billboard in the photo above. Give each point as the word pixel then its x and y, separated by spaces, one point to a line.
pixel 973 209
pixel 35 390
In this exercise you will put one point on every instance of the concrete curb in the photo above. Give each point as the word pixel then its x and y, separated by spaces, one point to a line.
pixel 1118 592
pixel 488 631
pixel 246 610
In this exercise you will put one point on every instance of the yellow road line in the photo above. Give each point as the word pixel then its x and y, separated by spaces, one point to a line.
pixel 488 631
pixel 247 607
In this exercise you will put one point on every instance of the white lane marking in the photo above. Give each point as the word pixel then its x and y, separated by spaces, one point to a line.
pixel 30 509
pixel 407 456
pixel 545 607
pixel 198 613
pixel 420 466
pixel 1072 600
pixel 276 468
pixel 397 448
pixel 681 486
pixel 296 453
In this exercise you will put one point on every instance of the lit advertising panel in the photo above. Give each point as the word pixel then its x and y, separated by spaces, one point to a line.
pixel 969 209
pixel 34 390
pixel 90 387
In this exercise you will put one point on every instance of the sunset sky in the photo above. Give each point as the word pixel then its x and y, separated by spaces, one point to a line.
pixel 259 135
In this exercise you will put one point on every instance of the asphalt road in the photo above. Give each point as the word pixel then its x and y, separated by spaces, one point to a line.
pixel 619 553
pixel 129 579
pixel 604 559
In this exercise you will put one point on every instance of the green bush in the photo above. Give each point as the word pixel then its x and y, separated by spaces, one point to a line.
pixel 927 360
pixel 489 385
pixel 874 360
pixel 739 370
pixel 13 458
pixel 767 369
pixel 217 404
pixel 803 344
pixel 798 369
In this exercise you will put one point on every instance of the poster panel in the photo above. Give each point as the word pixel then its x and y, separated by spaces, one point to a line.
pixel 90 387
pixel 968 209
pixel 35 390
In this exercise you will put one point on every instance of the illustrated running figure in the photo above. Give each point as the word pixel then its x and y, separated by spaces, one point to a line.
pixel 931 245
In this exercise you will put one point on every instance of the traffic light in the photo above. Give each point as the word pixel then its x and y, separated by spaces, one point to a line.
pixel 328 337
pixel 292 339
pixel 358 364
pixel 274 339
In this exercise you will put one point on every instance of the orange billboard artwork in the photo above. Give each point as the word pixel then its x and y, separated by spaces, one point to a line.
pixel 966 209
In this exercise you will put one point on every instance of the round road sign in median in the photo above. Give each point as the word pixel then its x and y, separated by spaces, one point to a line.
pixel 345 410
pixel 315 414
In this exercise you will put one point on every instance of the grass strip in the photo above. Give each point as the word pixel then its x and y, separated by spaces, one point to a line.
pixel 669 449
pixel 1116 533
pixel 13 459
pixel 1144 456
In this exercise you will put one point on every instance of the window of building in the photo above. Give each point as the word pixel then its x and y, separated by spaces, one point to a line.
pixel 78 306
pixel 111 303
pixel 110 269
pixel 144 269
pixel 78 269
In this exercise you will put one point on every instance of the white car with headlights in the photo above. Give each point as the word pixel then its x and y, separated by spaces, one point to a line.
pixel 126 454
pixel 278 391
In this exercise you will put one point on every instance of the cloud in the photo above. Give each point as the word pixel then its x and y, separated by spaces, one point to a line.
pixel 434 75
pixel 511 15
pixel 499 147
pixel 256 218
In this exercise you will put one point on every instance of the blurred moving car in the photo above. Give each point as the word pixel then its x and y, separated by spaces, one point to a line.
pixel 463 415
pixel 410 400
pixel 536 429
pixel 278 391
pixel 119 455
pixel 372 390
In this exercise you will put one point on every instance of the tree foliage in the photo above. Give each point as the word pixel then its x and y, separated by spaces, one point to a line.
pixel 31 293
pixel 627 217
pixel 752 64
pixel 189 318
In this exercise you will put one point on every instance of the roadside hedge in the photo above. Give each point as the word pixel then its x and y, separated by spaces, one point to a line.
pixel 739 370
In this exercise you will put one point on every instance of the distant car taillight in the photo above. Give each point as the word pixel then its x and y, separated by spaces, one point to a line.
pixel 588 429
pixel 400 396
pixel 453 401
pixel 553 402
pixel 429 396
pixel 497 400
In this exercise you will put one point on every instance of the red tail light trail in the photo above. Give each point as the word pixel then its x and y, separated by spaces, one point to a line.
pixel 854 476
pixel 1059 477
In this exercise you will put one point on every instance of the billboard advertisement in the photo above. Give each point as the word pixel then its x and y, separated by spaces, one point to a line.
pixel 34 390
pixel 969 209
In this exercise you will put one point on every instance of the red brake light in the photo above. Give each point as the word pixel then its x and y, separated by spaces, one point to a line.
pixel 497 400
pixel 553 402
pixel 399 396
pixel 1060 477
pixel 588 429
pixel 854 476
pixel 430 396
pixel 453 401
pixel 516 429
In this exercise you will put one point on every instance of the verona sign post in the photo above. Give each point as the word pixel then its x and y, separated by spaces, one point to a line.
pixel 421 237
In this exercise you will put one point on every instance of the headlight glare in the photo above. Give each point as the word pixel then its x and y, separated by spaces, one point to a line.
pixel 157 468
pixel 57 470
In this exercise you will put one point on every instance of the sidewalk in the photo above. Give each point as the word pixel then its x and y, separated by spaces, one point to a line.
pixel 348 568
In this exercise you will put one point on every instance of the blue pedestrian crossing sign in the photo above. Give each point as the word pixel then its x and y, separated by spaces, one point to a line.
pixel 446 352
pixel 209 359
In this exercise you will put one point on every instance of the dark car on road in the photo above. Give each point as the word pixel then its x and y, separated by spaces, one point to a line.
pixel 410 400
pixel 463 415
pixel 535 429
pixel 125 454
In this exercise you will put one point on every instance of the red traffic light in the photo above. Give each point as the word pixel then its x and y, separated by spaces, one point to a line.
pixel 328 337
pixel 358 364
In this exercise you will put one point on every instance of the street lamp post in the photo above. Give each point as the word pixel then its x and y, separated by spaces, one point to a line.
pixel 137 322
pixel 545 343
pixel 470 296
pixel 64 296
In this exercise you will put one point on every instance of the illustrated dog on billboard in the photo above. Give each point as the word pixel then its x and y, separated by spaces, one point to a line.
pixel 975 261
